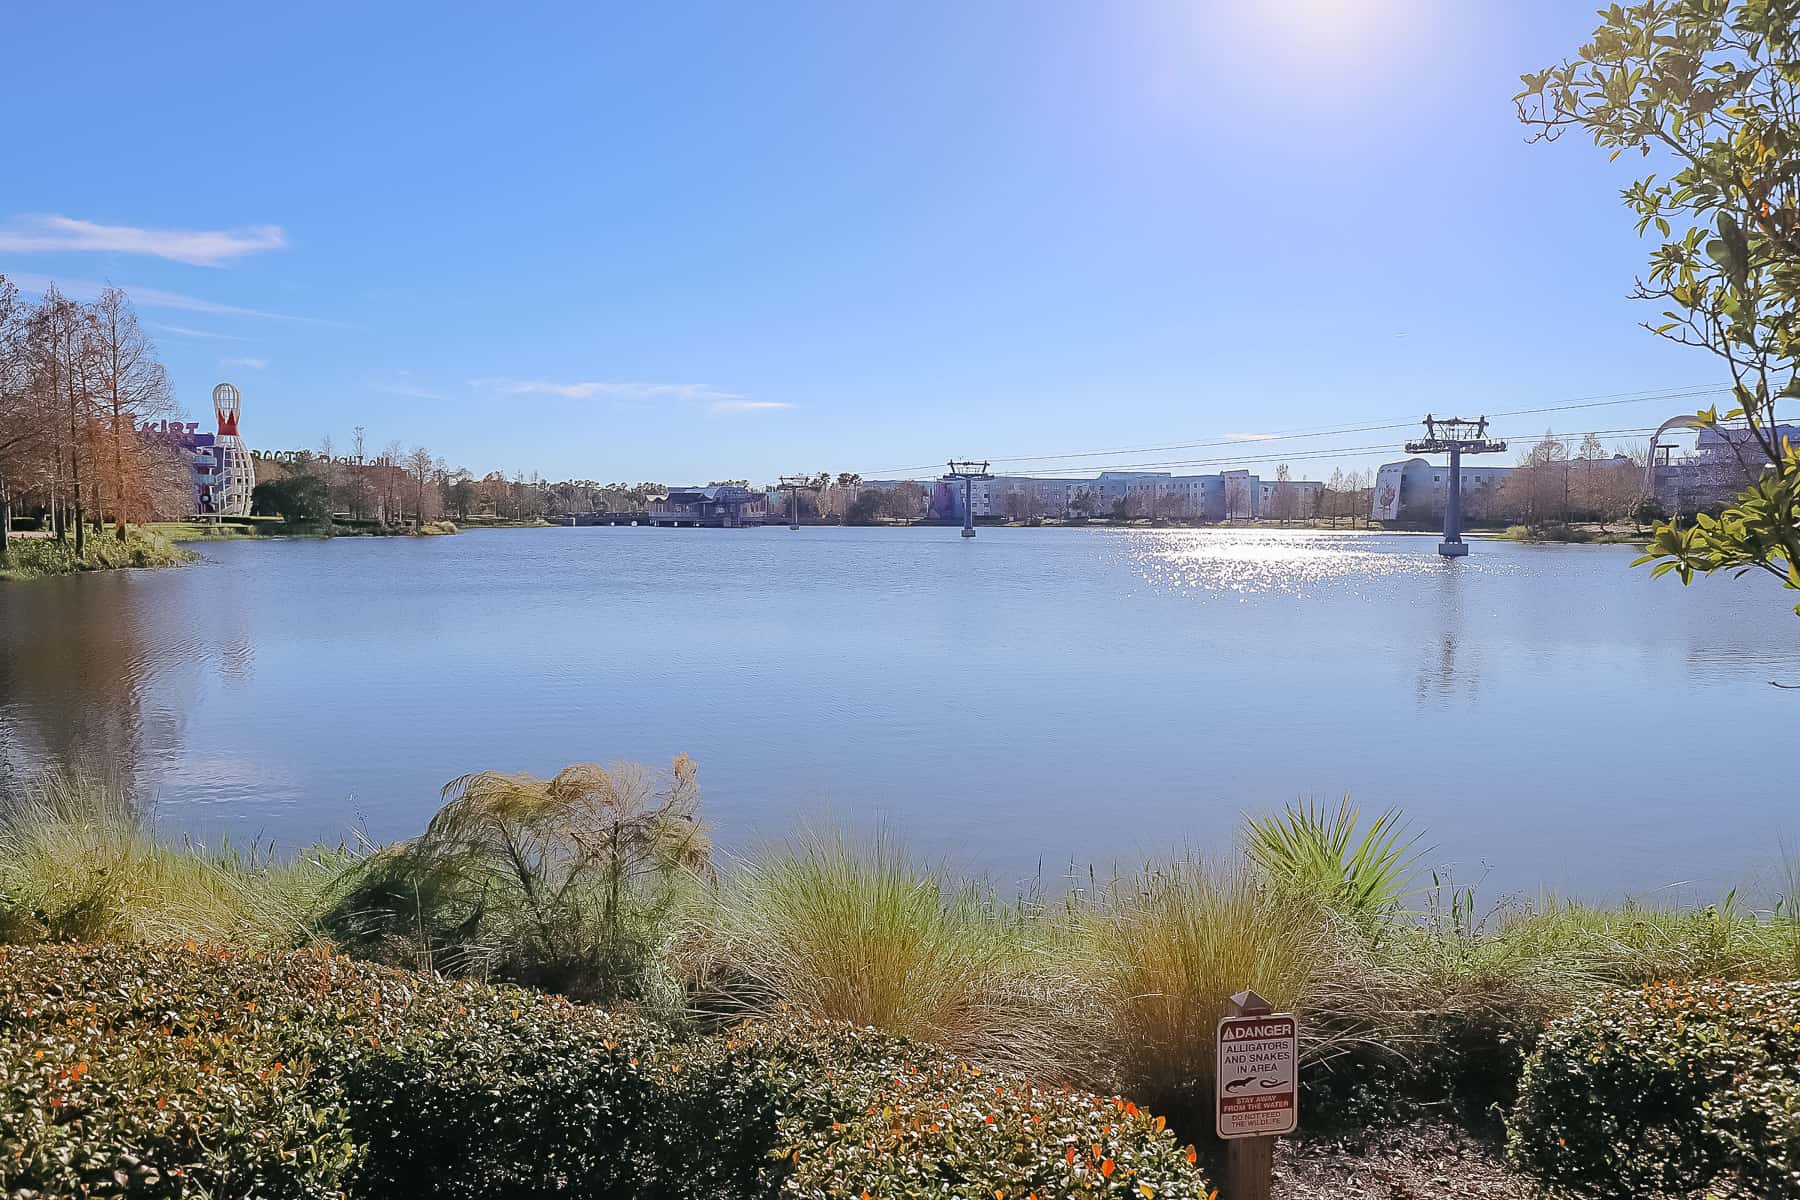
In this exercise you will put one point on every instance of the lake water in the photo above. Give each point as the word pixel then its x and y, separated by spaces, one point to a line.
pixel 1016 703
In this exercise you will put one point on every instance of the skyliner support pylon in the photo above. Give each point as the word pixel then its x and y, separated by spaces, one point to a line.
pixel 968 472
pixel 1455 436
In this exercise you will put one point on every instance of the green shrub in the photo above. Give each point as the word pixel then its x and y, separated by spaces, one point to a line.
pixel 200 1072
pixel 150 1074
pixel 1671 1087
pixel 190 1072
pixel 538 1101
pixel 297 499
pixel 867 1113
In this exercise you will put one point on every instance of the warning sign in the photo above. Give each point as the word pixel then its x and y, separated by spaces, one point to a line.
pixel 1259 1092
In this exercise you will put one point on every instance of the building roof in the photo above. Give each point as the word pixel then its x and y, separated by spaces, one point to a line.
pixel 717 492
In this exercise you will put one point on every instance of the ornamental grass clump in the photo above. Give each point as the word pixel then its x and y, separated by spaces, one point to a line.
pixel 871 936
pixel 80 860
pixel 1169 946
pixel 1669 1088
pixel 568 883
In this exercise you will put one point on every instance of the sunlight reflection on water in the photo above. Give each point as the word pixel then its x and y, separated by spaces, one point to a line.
pixel 1293 562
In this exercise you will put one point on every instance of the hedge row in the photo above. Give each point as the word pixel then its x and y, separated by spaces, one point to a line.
pixel 1671 1088
pixel 189 1072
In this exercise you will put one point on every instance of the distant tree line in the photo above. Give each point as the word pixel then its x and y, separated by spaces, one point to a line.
pixel 1553 486
pixel 401 487
pixel 76 381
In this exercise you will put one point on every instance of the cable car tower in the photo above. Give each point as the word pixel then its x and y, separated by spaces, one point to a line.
pixel 1455 436
pixel 793 485
pixel 968 472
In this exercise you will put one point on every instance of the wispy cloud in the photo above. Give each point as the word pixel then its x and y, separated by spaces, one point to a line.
pixel 746 406
pixel 409 391
pixel 31 234
pixel 693 393
pixel 184 331
pixel 398 381
pixel 255 364
pixel 149 297
pixel 1253 437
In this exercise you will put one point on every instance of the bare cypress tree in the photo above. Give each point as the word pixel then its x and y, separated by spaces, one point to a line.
pixel 58 348
pixel 131 386
pixel 22 432
pixel 393 477
pixel 419 461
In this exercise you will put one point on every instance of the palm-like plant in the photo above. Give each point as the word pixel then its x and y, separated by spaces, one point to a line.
pixel 1362 873
pixel 563 882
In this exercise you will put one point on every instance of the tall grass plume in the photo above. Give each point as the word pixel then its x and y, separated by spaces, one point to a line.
pixel 868 934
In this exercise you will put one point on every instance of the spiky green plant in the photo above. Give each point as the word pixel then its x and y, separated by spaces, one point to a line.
pixel 1363 873
pixel 565 883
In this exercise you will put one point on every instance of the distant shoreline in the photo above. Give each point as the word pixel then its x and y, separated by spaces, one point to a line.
pixel 1572 536
pixel 260 528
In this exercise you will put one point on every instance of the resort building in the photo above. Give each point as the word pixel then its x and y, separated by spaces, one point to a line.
pixel 1722 463
pixel 197 454
pixel 719 506
pixel 1228 495
pixel 1415 490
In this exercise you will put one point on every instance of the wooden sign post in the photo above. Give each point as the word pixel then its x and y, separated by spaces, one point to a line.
pixel 1258 1091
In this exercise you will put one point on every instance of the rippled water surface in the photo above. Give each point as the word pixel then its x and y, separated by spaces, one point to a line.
pixel 1018 702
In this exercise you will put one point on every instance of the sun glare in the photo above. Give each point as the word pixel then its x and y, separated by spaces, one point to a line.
pixel 1324 28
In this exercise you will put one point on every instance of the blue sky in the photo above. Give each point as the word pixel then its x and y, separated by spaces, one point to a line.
pixel 687 242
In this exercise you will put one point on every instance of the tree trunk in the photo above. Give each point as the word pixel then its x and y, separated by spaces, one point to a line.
pixel 118 475
pixel 75 475
pixel 5 516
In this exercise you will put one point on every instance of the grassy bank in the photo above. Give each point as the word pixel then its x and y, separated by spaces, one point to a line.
pixel 1577 534
pixel 1115 983
pixel 480 522
pixel 41 557
pixel 227 528
pixel 1414 996
pixel 203 531
pixel 259 527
